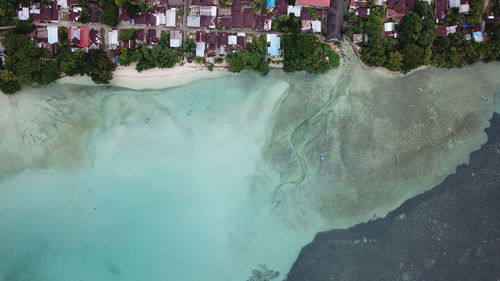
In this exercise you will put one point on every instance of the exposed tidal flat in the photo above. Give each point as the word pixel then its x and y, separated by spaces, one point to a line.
pixel 207 180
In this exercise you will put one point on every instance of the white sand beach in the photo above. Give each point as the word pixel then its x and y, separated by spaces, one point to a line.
pixel 156 78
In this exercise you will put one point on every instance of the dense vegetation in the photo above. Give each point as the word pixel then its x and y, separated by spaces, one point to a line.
pixel 286 23
pixel 417 44
pixel 133 6
pixel 306 52
pixel 160 55
pixel 27 64
pixel 253 58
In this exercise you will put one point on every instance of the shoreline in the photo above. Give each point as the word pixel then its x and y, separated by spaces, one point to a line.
pixel 151 79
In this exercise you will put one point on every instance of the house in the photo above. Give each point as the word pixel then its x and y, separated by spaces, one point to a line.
pixel 170 16
pixel 240 41
pixel 316 26
pixel 123 15
pixel 451 29
pixel 362 12
pixel 94 12
pixel 78 37
pixel 273 45
pixel 314 3
pixel 270 3
pixel 140 18
pixel 357 38
pixel 454 3
pixel 84 37
pixel 200 49
pixel 281 7
pixel 62 4
pixel 49 12
pixel 222 42
pixel 211 43
pixel 95 39
pixel 23 13
pixel 478 36
pixel 225 22
pixel 193 21
pixel 441 31
pixel 113 39
pixel 176 3
pixel 440 7
pixel 464 8
pixel 151 38
pixel 52 34
pixel 175 38
pixel 294 10
pixel 390 29
pixel 74 13
pixel 139 36
pixel 41 34
pixel 35 11
pixel 237 18
pixel 248 18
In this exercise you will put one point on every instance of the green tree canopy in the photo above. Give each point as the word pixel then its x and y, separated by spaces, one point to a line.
pixel 409 28
pixel 9 82
pixel 423 8
pixel 306 52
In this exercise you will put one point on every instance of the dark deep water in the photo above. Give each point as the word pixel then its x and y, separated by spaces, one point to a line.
pixel 451 232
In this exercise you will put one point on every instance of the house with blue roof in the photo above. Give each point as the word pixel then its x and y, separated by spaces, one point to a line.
pixel 270 3
pixel 273 45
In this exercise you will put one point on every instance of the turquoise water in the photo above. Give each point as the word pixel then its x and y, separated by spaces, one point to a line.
pixel 162 195
pixel 175 184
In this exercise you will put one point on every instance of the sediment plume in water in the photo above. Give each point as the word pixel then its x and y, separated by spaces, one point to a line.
pixel 208 180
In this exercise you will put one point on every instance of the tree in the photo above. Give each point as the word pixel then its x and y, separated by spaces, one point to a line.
pixel 414 56
pixel 69 63
pixel 454 16
pixel 126 34
pixel 426 38
pixel 9 82
pixel 109 14
pixel 395 61
pixel 263 274
pixel 375 51
pixel 306 52
pixel 127 57
pixel 48 73
pixel 286 23
pixel 84 16
pixel 24 27
pixel 409 28
pixel 98 65
pixel 374 23
pixel 423 8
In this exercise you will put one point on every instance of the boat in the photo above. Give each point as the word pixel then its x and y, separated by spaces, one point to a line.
pixel 484 98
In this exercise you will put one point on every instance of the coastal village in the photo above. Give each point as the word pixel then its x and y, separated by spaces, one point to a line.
pixel 216 27
pixel 92 37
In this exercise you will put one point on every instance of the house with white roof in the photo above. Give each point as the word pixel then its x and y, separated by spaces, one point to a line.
pixel 113 39
pixel 52 34
pixel 170 16
pixel 175 38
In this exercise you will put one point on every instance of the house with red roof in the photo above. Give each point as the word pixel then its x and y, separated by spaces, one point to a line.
pixel 78 37
pixel 314 3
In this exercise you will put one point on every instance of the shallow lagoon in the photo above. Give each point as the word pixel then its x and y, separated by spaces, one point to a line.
pixel 175 184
